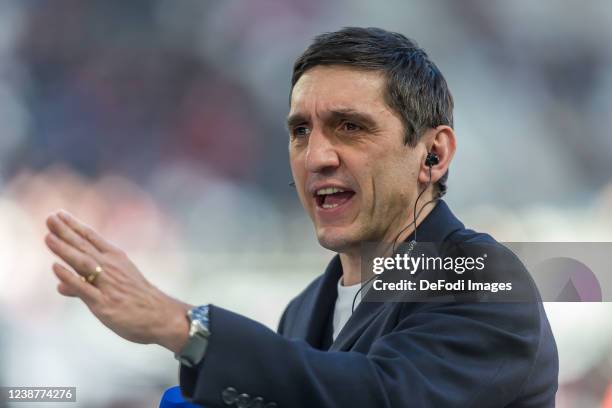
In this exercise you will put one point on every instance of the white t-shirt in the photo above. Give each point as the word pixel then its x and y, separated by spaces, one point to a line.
pixel 344 305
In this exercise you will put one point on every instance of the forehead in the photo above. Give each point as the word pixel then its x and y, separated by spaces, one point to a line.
pixel 325 88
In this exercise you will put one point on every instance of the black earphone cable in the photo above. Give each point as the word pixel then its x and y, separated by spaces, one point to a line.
pixel 415 214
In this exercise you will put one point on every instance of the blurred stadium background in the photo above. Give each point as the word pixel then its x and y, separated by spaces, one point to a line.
pixel 161 123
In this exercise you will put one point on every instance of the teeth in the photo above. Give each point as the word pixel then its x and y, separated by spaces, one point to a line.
pixel 329 205
pixel 329 190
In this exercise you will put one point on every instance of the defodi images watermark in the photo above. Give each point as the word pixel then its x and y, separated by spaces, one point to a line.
pixel 486 272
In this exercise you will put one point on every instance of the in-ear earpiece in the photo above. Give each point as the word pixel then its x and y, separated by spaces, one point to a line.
pixel 432 159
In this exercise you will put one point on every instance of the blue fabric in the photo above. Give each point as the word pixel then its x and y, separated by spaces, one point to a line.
pixel 172 398
pixel 388 354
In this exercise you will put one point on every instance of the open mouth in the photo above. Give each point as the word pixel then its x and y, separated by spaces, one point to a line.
pixel 332 197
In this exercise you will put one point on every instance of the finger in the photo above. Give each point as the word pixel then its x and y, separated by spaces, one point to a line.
pixel 72 285
pixel 87 232
pixel 68 235
pixel 82 263
pixel 66 290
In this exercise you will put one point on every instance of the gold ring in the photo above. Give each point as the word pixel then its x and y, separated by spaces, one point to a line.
pixel 92 276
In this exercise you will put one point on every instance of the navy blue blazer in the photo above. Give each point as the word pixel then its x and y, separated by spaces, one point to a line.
pixel 388 354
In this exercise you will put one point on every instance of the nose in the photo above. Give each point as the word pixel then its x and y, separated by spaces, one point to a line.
pixel 321 155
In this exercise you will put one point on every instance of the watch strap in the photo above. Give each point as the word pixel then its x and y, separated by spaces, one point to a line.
pixel 194 350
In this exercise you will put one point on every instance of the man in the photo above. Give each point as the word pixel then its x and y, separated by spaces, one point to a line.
pixel 371 137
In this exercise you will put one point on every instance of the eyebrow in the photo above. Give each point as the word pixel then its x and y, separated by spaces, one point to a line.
pixel 296 119
pixel 335 114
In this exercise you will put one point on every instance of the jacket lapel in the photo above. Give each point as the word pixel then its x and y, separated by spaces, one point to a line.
pixel 356 325
pixel 318 307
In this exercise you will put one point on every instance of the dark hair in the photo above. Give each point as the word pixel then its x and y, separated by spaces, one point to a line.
pixel 415 87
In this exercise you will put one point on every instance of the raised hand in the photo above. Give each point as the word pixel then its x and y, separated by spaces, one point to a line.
pixel 112 287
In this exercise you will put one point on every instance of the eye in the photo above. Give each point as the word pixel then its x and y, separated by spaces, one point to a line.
pixel 350 127
pixel 300 132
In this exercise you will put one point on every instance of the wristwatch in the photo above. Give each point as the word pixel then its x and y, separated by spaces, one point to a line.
pixel 199 332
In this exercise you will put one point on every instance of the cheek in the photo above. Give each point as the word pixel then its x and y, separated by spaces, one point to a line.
pixel 389 185
pixel 297 166
pixel 372 182
pixel 299 173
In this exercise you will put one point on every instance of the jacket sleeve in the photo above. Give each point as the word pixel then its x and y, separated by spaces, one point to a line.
pixel 443 355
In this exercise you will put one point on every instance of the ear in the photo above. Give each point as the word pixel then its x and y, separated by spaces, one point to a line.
pixel 441 141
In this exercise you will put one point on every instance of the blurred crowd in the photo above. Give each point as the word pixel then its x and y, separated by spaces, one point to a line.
pixel 161 124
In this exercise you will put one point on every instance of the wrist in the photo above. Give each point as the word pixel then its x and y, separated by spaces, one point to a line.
pixel 175 326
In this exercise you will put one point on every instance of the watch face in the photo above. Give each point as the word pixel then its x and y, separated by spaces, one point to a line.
pixel 199 320
pixel 200 313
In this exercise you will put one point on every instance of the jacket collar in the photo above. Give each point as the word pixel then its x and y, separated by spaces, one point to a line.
pixel 438 225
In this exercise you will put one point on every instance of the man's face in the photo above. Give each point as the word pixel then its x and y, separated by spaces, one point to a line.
pixel 353 173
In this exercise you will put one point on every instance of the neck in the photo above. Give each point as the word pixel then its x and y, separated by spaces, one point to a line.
pixel 351 259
